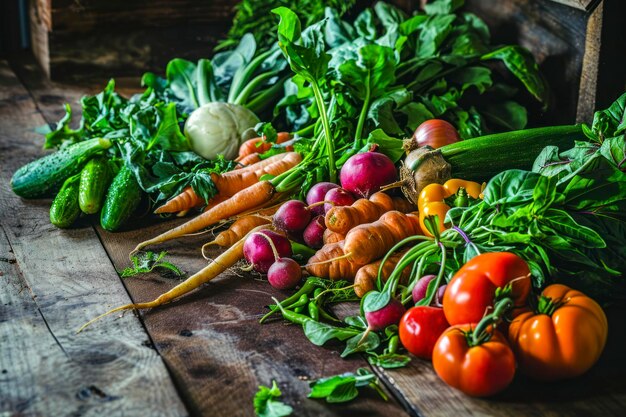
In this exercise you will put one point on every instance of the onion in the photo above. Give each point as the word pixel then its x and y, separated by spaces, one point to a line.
pixel 435 133
pixel 364 173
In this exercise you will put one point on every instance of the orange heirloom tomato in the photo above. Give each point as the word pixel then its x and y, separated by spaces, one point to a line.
pixel 481 370
pixel 563 339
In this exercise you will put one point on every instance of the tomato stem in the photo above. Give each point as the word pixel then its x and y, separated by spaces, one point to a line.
pixel 481 333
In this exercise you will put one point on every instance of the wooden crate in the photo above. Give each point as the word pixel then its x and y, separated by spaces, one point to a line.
pixel 123 37
pixel 578 43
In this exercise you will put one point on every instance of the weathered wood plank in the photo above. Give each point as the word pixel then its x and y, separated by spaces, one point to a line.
pixel 53 281
pixel 214 346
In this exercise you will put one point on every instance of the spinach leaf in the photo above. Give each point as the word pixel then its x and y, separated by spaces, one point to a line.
pixel 344 387
pixel 522 64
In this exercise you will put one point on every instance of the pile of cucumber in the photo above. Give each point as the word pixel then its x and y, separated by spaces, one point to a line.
pixel 83 180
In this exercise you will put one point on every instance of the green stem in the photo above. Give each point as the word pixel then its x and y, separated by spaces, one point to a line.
pixel 480 334
pixel 252 85
pixel 437 283
pixel 305 131
pixel 267 97
pixel 244 74
pixel 366 104
pixel 330 148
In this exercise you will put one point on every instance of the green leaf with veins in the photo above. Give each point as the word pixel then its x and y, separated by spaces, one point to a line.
pixel 344 387
pixel 522 64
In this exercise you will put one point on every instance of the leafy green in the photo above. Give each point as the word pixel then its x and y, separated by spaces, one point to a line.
pixel 148 262
pixel 267 405
pixel 344 387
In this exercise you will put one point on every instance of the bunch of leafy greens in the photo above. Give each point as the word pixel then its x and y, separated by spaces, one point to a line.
pixel 253 16
pixel 389 73
pixel 266 403
pixel 146 128
pixel 567 219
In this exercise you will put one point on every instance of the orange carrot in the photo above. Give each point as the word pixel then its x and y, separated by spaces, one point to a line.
pixel 246 199
pixel 226 260
pixel 238 229
pixel 231 182
pixel 336 269
pixel 367 275
pixel 259 145
pixel 184 201
pixel 251 159
pixel 371 241
pixel 342 219
pixel 332 237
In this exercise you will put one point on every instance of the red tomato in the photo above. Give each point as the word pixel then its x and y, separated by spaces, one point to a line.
pixel 480 370
pixel 472 290
pixel 419 329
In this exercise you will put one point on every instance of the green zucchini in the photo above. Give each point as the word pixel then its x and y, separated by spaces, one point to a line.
pixel 45 176
pixel 481 158
pixel 122 200
pixel 65 210
pixel 94 181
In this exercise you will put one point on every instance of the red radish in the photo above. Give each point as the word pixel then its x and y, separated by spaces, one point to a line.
pixel 284 274
pixel 419 291
pixel 292 216
pixel 363 174
pixel 386 316
pixel 338 197
pixel 314 233
pixel 316 194
pixel 259 252
pixel 435 133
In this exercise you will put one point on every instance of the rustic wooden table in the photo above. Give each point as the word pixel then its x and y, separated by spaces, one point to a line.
pixel 205 354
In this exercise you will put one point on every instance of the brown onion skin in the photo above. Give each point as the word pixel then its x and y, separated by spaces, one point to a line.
pixel 435 133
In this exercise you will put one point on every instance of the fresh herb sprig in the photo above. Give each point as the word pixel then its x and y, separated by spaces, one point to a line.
pixel 148 262
pixel 266 403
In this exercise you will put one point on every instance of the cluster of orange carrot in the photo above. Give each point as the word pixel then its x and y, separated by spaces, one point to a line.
pixel 372 227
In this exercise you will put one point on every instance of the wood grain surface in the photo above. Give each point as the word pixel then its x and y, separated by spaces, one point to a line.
pixel 53 281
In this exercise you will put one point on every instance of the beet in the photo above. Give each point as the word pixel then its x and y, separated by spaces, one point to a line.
pixel 292 216
pixel 339 197
pixel 364 173
pixel 314 233
pixel 316 194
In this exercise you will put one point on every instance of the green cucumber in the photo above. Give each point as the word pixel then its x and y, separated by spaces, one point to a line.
pixel 65 210
pixel 122 200
pixel 481 158
pixel 94 181
pixel 45 176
